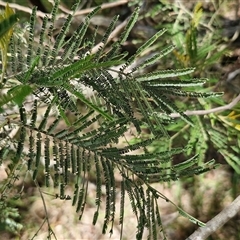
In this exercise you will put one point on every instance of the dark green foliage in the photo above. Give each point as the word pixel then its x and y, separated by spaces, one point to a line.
pixel 7 24
pixel 8 218
pixel 70 142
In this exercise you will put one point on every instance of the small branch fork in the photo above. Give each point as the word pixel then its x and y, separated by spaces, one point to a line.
pixel 50 231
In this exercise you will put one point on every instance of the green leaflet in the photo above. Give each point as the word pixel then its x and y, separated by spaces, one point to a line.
pixel 7 24
pixel 88 103
pixel 154 58
pixel 31 69
pixel 176 83
pixel 67 73
pixel 16 94
pixel 186 164
pixel 164 74
pixel 19 93
pixel 191 218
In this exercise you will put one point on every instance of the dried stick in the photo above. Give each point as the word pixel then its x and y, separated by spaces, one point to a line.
pixel 218 221
pixel 23 9
pixel 213 110
pixel 88 10
pixel 80 12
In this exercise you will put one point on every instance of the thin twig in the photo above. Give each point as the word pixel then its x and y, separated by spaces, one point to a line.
pixel 213 110
pixel 80 12
pixel 45 209
pixel 113 34
pixel 39 229
pixel 88 10
pixel 23 9
pixel 218 221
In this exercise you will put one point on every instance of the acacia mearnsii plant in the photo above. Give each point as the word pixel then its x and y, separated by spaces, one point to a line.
pixel 44 131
